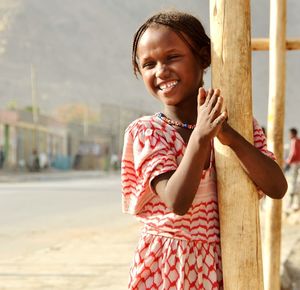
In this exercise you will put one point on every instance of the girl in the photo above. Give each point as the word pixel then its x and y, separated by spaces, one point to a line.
pixel 168 174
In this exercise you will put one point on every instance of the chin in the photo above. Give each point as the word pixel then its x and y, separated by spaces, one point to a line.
pixel 168 100
pixel 170 103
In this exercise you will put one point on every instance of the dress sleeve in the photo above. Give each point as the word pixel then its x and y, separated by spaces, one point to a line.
pixel 146 154
pixel 260 141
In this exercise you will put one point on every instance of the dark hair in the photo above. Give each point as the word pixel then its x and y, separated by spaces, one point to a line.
pixel 294 131
pixel 183 24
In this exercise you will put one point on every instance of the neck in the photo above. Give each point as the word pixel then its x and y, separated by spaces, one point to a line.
pixel 182 114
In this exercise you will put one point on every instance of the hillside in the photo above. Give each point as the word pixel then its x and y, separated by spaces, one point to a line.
pixel 81 52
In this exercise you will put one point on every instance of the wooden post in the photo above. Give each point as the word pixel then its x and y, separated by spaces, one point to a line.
pixel 238 198
pixel 277 68
pixel 263 44
pixel 35 108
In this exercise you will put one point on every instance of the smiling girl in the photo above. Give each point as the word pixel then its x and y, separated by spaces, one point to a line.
pixel 168 172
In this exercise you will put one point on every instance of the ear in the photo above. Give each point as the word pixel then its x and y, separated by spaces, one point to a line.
pixel 205 58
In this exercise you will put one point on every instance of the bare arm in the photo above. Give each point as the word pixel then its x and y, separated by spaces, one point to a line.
pixel 178 189
pixel 261 169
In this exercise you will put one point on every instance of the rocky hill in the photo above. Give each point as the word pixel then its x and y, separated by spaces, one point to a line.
pixel 80 51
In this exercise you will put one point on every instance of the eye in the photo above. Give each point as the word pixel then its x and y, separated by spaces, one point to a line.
pixel 149 64
pixel 173 57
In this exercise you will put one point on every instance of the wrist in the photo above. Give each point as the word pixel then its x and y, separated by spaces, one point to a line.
pixel 227 135
pixel 200 139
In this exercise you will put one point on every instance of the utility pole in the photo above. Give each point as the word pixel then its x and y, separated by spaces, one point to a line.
pixel 34 104
pixel 85 121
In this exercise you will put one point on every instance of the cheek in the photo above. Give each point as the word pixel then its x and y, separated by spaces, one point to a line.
pixel 148 80
pixel 149 85
pixel 198 74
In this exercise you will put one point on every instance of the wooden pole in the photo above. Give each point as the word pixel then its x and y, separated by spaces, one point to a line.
pixel 35 112
pixel 277 64
pixel 263 44
pixel 238 198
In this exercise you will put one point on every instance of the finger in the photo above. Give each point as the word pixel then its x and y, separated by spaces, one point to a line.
pixel 216 110
pixel 226 113
pixel 208 96
pixel 220 119
pixel 213 100
pixel 201 96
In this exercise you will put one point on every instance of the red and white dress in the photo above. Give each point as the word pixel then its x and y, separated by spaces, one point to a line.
pixel 174 252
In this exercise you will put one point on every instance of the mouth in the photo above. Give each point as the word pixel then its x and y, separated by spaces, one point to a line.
pixel 167 86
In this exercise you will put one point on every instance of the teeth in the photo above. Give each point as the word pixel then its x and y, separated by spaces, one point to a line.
pixel 168 85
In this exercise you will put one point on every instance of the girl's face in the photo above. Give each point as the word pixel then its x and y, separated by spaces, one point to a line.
pixel 168 66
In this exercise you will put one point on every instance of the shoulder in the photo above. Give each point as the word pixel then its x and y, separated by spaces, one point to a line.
pixel 141 126
pixel 144 121
pixel 295 142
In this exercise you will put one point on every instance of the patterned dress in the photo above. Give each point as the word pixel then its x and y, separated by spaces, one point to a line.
pixel 174 252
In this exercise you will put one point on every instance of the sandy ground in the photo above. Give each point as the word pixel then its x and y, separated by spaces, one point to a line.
pixel 89 258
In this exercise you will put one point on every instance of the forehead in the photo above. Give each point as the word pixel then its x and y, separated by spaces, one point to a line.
pixel 160 38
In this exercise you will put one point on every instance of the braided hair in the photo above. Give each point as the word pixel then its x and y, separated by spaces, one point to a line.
pixel 187 27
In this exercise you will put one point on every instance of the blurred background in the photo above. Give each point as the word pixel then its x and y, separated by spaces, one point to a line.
pixel 67 89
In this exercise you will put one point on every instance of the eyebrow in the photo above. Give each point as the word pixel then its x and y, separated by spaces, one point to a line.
pixel 172 50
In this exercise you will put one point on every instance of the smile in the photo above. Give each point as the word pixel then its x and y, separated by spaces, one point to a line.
pixel 168 85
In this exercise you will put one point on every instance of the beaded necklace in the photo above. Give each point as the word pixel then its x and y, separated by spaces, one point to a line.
pixel 175 123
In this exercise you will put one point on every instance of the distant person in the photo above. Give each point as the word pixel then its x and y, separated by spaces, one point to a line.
pixel 77 160
pixel 168 172
pixel 34 161
pixel 43 160
pixel 2 157
pixel 114 161
pixel 293 165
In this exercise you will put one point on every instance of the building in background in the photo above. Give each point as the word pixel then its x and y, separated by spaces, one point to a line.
pixel 20 136
pixel 82 145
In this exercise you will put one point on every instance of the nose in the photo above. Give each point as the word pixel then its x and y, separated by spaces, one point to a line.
pixel 162 71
